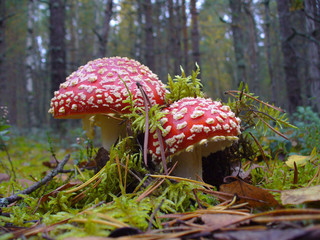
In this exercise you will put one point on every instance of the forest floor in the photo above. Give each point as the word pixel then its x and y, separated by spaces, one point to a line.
pixel 265 186
pixel 277 199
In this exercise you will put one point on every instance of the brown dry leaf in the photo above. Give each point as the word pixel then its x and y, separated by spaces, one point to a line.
pixel 301 195
pixel 256 197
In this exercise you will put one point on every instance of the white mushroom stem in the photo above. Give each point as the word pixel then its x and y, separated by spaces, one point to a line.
pixel 189 164
pixel 111 129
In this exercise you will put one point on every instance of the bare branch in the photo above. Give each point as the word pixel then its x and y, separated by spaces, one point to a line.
pixel 47 178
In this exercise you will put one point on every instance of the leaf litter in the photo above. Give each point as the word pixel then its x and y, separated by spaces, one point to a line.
pixel 124 200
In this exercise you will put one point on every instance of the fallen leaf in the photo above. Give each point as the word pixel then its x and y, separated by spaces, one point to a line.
pixel 301 195
pixel 298 159
pixel 254 196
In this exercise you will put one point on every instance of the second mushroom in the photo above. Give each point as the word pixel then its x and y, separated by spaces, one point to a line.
pixel 195 127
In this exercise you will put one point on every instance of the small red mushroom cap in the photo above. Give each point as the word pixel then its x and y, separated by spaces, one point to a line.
pixel 195 121
pixel 96 88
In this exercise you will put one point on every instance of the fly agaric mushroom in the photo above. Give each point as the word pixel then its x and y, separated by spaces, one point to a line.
pixel 95 93
pixel 195 127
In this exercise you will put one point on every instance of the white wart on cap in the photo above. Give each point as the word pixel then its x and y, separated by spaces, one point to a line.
pixel 195 127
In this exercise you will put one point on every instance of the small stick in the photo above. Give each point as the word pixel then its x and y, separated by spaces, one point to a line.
pixel 37 185
pixel 146 134
pixel 146 101
pixel 254 98
pixel 154 215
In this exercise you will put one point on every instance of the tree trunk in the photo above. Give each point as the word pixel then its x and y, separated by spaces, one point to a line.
pixel 185 37
pixel 177 43
pixel 3 49
pixel 159 47
pixel 172 40
pixel 253 50
pixel 140 51
pixel 30 67
pixel 104 35
pixel 313 56
pixel 149 42
pixel 74 48
pixel 57 43
pixel 57 47
pixel 238 42
pixel 274 94
pixel 289 57
pixel 195 36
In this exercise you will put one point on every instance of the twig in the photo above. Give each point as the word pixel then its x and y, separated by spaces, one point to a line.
pixel 273 129
pixel 146 134
pixel 254 98
pixel 47 178
pixel 146 101
pixel 9 159
pixel 154 214
pixel 260 149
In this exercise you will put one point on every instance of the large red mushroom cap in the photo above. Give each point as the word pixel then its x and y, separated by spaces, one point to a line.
pixel 192 125
pixel 96 90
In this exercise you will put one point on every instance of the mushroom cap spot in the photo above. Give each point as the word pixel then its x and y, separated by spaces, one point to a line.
pixel 182 125
pixel 96 88
pixel 196 122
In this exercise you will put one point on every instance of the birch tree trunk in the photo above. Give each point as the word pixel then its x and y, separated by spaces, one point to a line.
pixel 238 42
pixel 313 54
pixel 195 36
pixel 30 66
pixel 3 77
pixel 289 57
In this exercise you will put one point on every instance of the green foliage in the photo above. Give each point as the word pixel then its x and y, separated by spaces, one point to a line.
pixel 127 209
pixel 277 175
pixel 264 126
pixel 308 134
pixel 83 149
pixel 256 113
pixel 4 127
pixel 138 119
pixel 182 196
pixel 137 114
pixel 184 86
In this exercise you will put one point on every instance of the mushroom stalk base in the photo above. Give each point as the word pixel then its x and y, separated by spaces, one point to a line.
pixel 189 164
pixel 111 129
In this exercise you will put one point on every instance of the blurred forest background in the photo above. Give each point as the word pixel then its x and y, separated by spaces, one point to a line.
pixel 272 45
